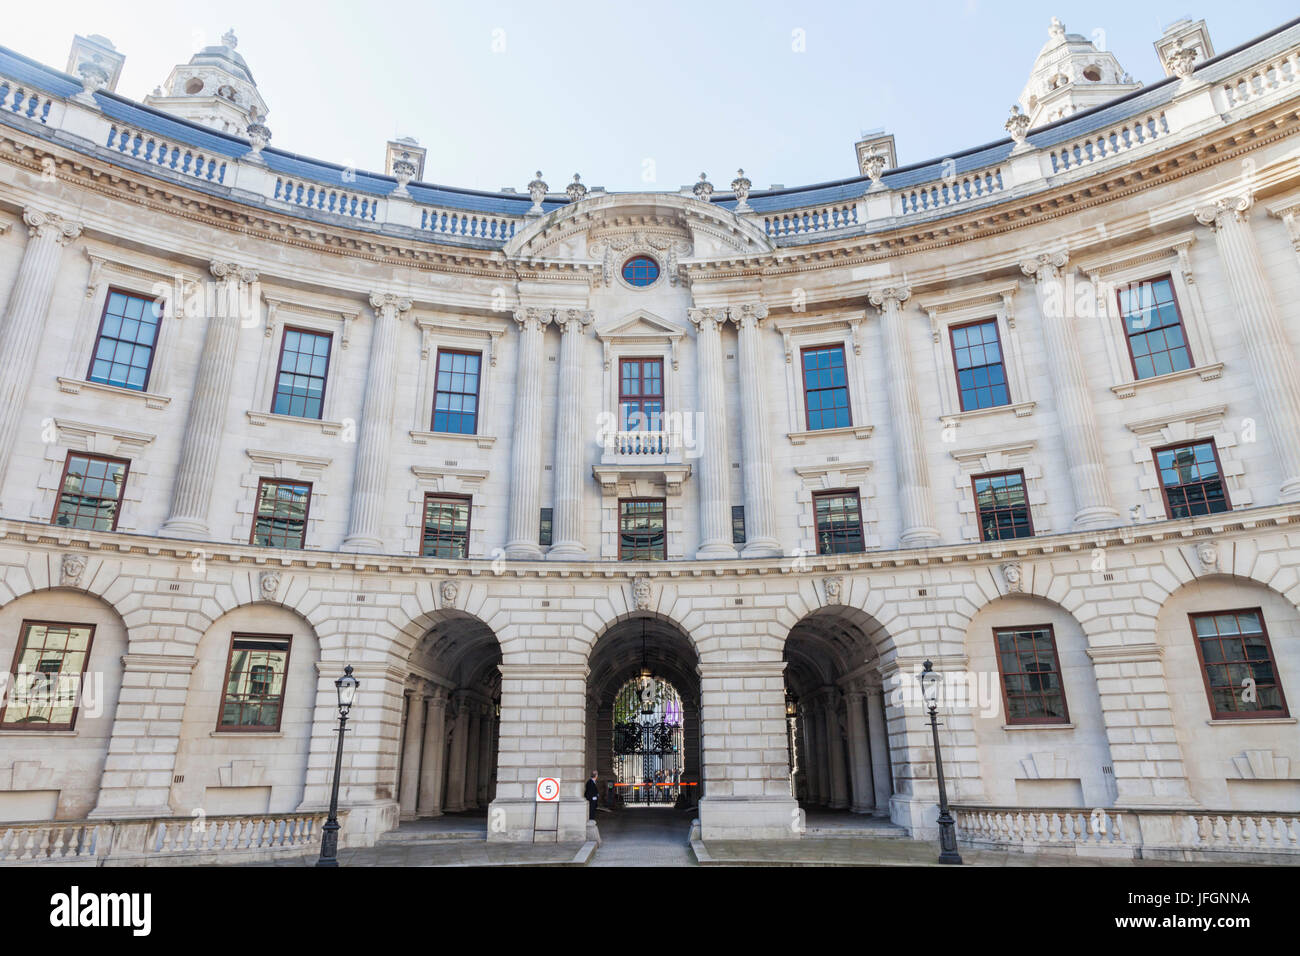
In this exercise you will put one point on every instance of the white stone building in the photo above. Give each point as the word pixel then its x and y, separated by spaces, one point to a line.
pixel 1031 412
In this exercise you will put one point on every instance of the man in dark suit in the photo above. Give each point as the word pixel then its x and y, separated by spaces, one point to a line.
pixel 593 796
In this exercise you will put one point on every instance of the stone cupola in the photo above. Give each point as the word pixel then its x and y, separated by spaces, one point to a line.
pixel 216 89
pixel 1070 74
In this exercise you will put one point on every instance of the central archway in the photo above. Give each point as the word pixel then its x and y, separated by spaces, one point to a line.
pixel 643 715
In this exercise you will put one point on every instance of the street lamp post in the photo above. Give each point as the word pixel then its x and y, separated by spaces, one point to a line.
pixel 346 686
pixel 947 832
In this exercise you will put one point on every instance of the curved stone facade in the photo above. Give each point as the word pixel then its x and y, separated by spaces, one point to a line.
pixel 796 667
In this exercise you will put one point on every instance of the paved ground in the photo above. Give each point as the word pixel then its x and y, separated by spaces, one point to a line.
pixel 647 836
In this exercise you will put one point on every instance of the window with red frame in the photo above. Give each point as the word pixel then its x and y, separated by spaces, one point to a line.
pixel 1031 675
pixel 1153 328
pixel 1191 480
pixel 1241 678
pixel 641 394
pixel 446 527
pixel 90 493
pixel 642 529
pixel 825 387
pixel 48 674
pixel 255 679
pixel 300 381
pixel 838 519
pixel 455 404
pixel 977 357
pixel 1002 507
pixel 125 343
pixel 281 518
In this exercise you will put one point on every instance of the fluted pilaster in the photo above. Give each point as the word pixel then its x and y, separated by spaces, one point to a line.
pixel 567 513
pixel 228 309
pixel 756 463
pixel 1093 505
pixel 1272 359
pixel 23 326
pixel 525 448
pixel 370 473
pixel 915 495
pixel 715 507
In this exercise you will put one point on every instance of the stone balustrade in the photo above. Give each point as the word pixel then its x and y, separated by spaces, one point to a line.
pixel 163 840
pixel 1205 835
pixel 473 225
pixel 1252 84
pixel 1121 138
pixel 798 222
pixel 951 191
pixel 638 443
pixel 18 99
pixel 340 202
pixel 177 157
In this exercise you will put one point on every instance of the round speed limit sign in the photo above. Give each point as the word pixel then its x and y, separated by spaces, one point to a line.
pixel 548 789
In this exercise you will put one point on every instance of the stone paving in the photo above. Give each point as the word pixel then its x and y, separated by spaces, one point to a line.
pixel 644 837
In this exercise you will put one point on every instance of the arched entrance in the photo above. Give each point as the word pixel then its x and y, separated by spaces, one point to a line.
pixel 836 737
pixel 643 715
pixel 450 719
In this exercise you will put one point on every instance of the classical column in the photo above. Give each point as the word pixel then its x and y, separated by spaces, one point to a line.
pixel 914 494
pixel 485 755
pixel 1272 360
pixel 835 754
pixel 756 463
pixel 715 501
pixel 431 764
pixel 864 795
pixel 409 790
pixel 807 768
pixel 1093 507
pixel 23 327
pixel 569 477
pixel 471 756
pixel 456 757
pixel 878 735
pixel 370 474
pixel 525 448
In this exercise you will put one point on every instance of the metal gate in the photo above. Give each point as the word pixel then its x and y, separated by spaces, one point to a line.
pixel 648 744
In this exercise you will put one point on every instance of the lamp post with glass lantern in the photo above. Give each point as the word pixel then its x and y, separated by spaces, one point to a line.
pixel 346 686
pixel 947 831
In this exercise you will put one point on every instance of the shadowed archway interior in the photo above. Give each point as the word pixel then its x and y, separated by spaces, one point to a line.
pixel 637 644
pixel 835 721
pixel 451 712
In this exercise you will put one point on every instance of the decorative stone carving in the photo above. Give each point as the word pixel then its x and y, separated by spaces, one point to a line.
pixel 641 594
pixel 1045 266
pixel 833 586
pixel 403 171
pixel 1212 214
pixel 448 591
pixel 232 272
pixel 1017 124
pixel 740 186
pixel 268 583
pixel 259 134
pixel 537 190
pixel 42 223
pixel 703 189
pixel 1207 553
pixel 1045 766
pixel 872 165
pixel 575 190
pixel 71 569
pixel 1011 575
pixel 1262 765
pixel 1181 61
pixel 93 77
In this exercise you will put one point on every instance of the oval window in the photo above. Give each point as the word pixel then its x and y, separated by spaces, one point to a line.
pixel 640 271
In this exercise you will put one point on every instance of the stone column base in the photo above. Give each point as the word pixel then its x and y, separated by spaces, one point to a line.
pixel 750 818
pixel 512 821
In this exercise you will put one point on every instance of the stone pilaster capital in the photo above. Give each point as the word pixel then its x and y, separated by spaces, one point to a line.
pixel 1215 214
pixel 232 272
pixel 1046 265
pixel 889 297
pixel 389 303
pixel 532 316
pixel 51 225
pixel 708 319
pixel 748 315
pixel 573 320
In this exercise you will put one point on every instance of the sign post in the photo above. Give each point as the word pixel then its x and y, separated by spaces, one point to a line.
pixel 547 792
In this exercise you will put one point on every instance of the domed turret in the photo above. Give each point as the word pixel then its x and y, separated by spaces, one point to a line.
pixel 1070 74
pixel 216 88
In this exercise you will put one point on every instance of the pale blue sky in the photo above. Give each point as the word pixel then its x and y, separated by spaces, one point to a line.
pixel 632 95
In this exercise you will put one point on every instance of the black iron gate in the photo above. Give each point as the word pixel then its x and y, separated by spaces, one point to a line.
pixel 648 744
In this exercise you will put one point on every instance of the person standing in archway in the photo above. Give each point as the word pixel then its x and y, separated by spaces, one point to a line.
pixel 593 796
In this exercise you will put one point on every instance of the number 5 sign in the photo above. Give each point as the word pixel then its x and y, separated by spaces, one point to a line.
pixel 548 789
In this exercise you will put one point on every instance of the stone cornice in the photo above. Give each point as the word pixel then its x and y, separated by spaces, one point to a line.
pixel 27 535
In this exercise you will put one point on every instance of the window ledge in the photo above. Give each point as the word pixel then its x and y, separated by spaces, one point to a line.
pixel 8 732
pixel 268 418
pixel 246 733
pixel 73 386
pixel 1021 409
pixel 857 431
pixel 1237 721
pixel 1206 373
pixel 423 438
pixel 1069 726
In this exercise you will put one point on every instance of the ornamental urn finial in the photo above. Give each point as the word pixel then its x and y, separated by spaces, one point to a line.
pixel 575 190
pixel 93 77
pixel 740 186
pixel 259 134
pixel 873 166
pixel 403 172
pixel 1181 60
pixel 1017 124
pixel 703 189
pixel 537 190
